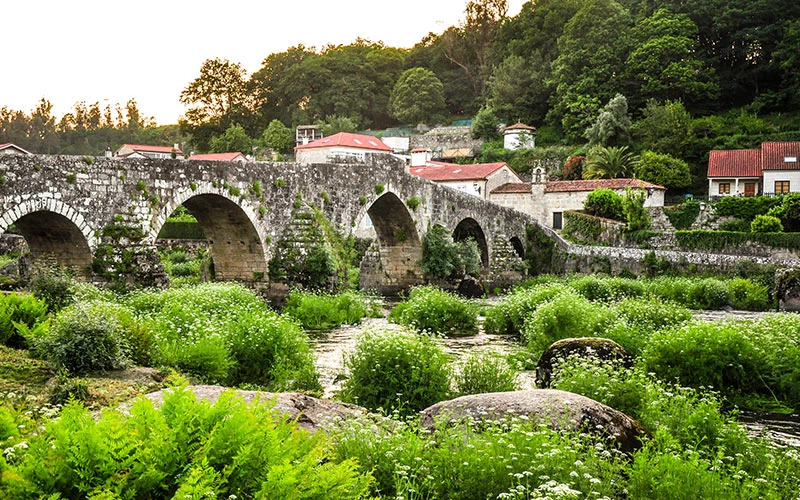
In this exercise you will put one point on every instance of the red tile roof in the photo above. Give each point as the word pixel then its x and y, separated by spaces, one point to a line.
pixel 441 171
pixel 591 185
pixel 520 126
pixel 349 140
pixel 152 149
pixel 217 156
pixel 735 163
pixel 513 187
pixel 774 155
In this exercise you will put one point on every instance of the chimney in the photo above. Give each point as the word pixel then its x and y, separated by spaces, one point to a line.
pixel 420 157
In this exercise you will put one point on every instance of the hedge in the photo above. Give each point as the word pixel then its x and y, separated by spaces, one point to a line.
pixel 745 207
pixel 175 230
pixel 718 240
pixel 582 226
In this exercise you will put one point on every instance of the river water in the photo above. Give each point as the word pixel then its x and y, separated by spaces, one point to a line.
pixel 330 347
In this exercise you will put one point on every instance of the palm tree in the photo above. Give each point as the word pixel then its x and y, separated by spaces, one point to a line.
pixel 609 162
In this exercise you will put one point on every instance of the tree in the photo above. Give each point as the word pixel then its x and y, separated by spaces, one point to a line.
pixel 664 62
pixel 612 126
pixel 485 125
pixel 633 209
pixel 418 95
pixel 609 163
pixel 277 136
pixel 517 90
pixel 235 139
pixel 217 99
pixel 468 45
pixel 590 64
pixel 665 128
pixel 663 170
pixel 333 124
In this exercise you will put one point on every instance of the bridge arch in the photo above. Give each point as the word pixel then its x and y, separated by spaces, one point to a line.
pixel 399 246
pixel 56 234
pixel 231 227
pixel 469 228
pixel 519 248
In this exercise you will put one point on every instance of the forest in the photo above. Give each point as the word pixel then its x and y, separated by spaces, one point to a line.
pixel 695 75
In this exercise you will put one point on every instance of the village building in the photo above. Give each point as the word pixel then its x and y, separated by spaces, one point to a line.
pixel 548 200
pixel 519 136
pixel 12 149
pixel 343 145
pixel 771 169
pixel 304 134
pixel 234 156
pixel 477 179
pixel 148 151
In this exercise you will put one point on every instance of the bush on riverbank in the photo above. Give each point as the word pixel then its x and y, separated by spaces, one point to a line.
pixel 483 372
pixel 316 310
pixel 436 311
pixel 396 371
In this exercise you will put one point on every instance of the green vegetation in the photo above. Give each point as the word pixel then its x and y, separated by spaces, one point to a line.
pixel 413 203
pixel 444 258
pixel 604 203
pixel 484 372
pixel 766 224
pixel 226 449
pixel 437 312
pixel 682 216
pixel 396 371
pixel 317 310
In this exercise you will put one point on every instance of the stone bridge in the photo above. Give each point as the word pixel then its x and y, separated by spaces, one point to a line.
pixel 102 216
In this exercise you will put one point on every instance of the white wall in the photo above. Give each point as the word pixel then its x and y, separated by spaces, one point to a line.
pixel 475 188
pixel 498 178
pixel 324 155
pixel 713 186
pixel 398 144
pixel 518 139
pixel 770 176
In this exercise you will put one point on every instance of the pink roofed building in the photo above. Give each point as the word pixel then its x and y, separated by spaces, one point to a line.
pixel 234 156
pixel 148 151
pixel 477 179
pixel 343 145
pixel 771 169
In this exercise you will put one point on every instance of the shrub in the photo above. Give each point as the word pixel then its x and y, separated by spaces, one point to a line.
pixel 766 224
pixel 745 207
pixel 653 313
pixel 224 333
pixel 509 316
pixel 744 294
pixel 606 288
pixel 16 309
pixel 736 225
pixel 317 310
pixel 54 286
pixel 396 371
pixel 663 169
pixel 712 355
pixel 484 372
pixel 186 449
pixel 81 342
pixel 443 258
pixel 433 310
pixel 708 293
pixel 566 315
pixel 633 209
pixel 788 212
pixel 66 388
pixel 683 216
pixel 604 203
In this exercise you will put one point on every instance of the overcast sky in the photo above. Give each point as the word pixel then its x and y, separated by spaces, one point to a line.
pixel 110 51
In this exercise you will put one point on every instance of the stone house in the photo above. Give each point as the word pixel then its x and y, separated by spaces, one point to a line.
pixel 12 149
pixel 234 156
pixel 341 145
pixel 147 151
pixel 477 179
pixel 771 169
pixel 548 200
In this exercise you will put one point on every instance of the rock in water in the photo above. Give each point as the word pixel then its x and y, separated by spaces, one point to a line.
pixel 470 288
pixel 560 410
pixel 584 347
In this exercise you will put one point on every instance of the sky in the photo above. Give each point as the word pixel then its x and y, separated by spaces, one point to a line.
pixel 110 51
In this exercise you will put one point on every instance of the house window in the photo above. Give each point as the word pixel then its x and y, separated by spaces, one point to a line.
pixel 724 188
pixel 781 187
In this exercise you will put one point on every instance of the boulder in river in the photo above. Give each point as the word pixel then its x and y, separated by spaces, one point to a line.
pixel 585 347
pixel 310 412
pixel 560 410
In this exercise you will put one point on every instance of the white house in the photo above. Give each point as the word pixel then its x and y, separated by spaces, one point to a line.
pixel 772 169
pixel 12 149
pixel 341 145
pixel 234 156
pixel 477 179
pixel 547 201
pixel 519 136
pixel 147 151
